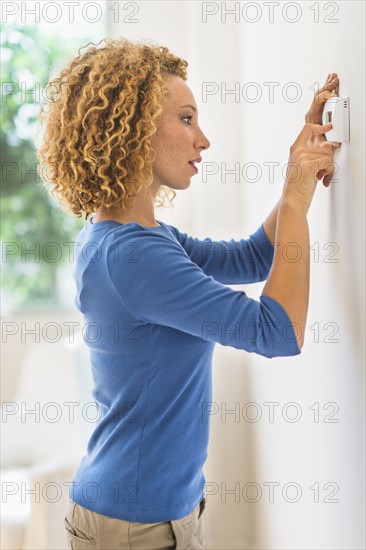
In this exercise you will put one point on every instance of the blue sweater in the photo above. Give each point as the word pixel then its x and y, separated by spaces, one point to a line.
pixel 155 303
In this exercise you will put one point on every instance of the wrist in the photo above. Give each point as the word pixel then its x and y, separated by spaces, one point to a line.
pixel 295 203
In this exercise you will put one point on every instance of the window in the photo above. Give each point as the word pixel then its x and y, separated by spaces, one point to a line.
pixel 36 235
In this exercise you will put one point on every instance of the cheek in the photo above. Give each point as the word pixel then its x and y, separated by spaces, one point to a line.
pixel 176 132
pixel 172 144
pixel 180 144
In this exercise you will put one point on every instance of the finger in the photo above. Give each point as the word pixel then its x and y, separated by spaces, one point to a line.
pixel 317 150
pixel 323 96
pixel 315 142
pixel 309 131
pixel 331 84
pixel 322 174
pixel 322 148
pixel 330 77
pixel 327 179
pixel 335 144
pixel 327 172
pixel 320 165
pixel 317 129
pixel 323 163
pixel 327 149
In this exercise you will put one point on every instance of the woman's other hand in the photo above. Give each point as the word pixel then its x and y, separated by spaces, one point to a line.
pixel 330 89
pixel 315 113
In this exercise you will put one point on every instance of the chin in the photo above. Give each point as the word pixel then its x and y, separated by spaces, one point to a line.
pixel 180 186
pixel 186 185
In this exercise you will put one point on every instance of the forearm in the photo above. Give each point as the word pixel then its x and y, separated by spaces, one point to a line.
pixel 269 225
pixel 288 280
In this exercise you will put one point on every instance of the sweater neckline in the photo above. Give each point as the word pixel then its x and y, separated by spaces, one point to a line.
pixel 99 225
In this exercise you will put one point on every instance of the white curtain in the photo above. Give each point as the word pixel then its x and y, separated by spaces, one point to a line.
pixel 286 466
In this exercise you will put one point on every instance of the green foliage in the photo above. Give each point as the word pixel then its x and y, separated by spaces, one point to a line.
pixel 30 217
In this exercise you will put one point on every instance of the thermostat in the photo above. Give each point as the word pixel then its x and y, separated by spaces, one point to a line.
pixel 336 111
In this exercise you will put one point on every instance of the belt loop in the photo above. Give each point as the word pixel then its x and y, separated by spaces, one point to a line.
pixel 202 506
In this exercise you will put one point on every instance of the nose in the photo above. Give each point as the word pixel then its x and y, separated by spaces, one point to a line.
pixel 201 141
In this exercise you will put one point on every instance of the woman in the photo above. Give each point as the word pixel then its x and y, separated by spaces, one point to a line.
pixel 122 132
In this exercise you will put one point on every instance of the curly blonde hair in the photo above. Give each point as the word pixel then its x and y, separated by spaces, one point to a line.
pixel 98 122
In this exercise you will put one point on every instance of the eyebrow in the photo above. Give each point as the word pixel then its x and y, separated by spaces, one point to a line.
pixel 189 105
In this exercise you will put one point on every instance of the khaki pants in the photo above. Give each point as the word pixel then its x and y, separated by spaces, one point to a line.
pixel 91 531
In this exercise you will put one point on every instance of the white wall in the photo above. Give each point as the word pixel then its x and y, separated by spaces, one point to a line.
pixel 307 453
pixel 24 329
pixel 310 452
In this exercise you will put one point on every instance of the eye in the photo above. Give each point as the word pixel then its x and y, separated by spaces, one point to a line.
pixel 189 117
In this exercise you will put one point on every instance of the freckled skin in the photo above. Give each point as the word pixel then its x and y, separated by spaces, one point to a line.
pixel 177 140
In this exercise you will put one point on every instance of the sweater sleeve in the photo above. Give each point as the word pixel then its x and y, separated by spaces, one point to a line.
pixel 231 262
pixel 159 283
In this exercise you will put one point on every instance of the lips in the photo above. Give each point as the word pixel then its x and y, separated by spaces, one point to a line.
pixel 193 166
pixel 194 161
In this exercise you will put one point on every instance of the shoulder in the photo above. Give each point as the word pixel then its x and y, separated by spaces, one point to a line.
pixel 137 244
